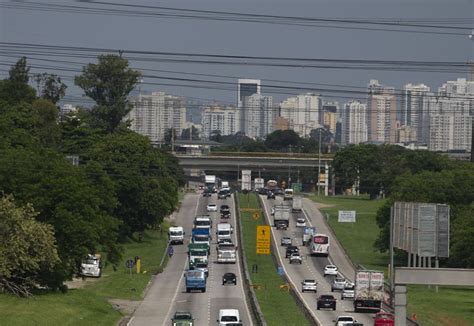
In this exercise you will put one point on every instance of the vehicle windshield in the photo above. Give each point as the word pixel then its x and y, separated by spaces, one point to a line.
pixel 202 222
pixel 201 238
pixel 309 281
pixel 90 262
pixel 176 233
pixel 345 319
pixel 226 232
pixel 198 253
pixel 195 273
pixel 229 318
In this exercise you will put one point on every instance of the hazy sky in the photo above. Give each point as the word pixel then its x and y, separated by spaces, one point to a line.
pixel 247 39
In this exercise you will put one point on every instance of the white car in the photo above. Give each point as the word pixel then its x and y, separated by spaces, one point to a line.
pixel 345 320
pixel 309 285
pixel 228 316
pixel 348 292
pixel 296 258
pixel 300 222
pixel 330 270
pixel 212 208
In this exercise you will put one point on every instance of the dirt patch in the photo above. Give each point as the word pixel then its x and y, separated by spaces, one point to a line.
pixel 319 205
pixel 450 320
pixel 79 282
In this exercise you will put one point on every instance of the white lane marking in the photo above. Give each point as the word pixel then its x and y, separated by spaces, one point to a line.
pixel 284 269
pixel 168 314
pixel 241 280
pixel 130 320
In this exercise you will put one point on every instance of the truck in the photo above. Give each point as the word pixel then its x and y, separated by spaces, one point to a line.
pixel 259 183
pixel 225 185
pixel 308 233
pixel 226 253
pixel 182 318
pixel 195 280
pixel 288 194
pixel 272 184
pixel 91 266
pixel 176 234
pixel 210 182
pixel 198 252
pixel 281 215
pixel 199 236
pixel 369 291
pixel 297 205
pixel 224 231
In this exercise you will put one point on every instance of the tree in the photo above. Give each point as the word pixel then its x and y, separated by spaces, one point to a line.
pixel 108 83
pixel 19 73
pixel 27 247
pixel 282 140
pixel 45 116
pixel 50 87
pixel 15 89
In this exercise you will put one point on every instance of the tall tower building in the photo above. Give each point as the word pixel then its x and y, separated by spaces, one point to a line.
pixel 303 112
pixel 415 110
pixel 354 123
pixel 247 87
pixel 153 114
pixel 381 113
pixel 258 116
pixel 224 119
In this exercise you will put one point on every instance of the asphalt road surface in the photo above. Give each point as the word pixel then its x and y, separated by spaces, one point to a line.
pixel 167 293
pixel 313 267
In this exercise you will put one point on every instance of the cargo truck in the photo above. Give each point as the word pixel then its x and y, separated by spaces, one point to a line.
pixel 201 236
pixel 297 205
pixel 195 280
pixel 308 233
pixel 176 234
pixel 281 215
pixel 259 183
pixel 210 181
pixel 198 252
pixel 226 253
pixel 369 291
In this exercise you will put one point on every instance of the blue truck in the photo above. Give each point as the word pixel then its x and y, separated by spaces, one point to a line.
pixel 195 280
pixel 201 236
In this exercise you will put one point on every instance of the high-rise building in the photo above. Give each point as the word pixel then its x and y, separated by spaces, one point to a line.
pixel 247 87
pixel 354 123
pixel 303 113
pixel 258 115
pixel 153 114
pixel 381 113
pixel 414 112
pixel 224 119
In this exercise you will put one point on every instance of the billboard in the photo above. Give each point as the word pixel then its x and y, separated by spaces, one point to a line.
pixel 421 228
pixel 346 216
pixel 246 180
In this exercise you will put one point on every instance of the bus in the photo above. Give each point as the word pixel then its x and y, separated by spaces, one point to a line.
pixel 320 245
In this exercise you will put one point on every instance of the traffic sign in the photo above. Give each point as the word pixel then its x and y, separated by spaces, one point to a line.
pixel 281 272
pixel 263 239
pixel 256 215
pixel 129 263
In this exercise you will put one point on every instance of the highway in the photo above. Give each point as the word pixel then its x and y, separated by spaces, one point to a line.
pixel 313 267
pixel 167 292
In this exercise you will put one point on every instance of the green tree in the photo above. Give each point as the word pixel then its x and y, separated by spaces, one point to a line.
pixel 45 122
pixel 282 140
pixel 19 73
pixel 50 87
pixel 27 247
pixel 108 83
pixel 15 89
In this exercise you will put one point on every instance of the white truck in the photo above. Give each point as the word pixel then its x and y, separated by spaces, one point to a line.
pixel 297 205
pixel 226 253
pixel 224 231
pixel 308 233
pixel 176 234
pixel 281 215
pixel 369 291
pixel 258 183
pixel 210 181
pixel 91 266
pixel 288 194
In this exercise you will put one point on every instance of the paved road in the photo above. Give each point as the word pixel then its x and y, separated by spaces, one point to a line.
pixel 312 267
pixel 168 292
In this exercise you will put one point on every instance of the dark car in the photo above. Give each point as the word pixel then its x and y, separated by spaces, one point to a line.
pixel 281 226
pixel 270 195
pixel 222 194
pixel 229 278
pixel 290 250
pixel 326 301
pixel 225 208
pixel 262 191
pixel 225 215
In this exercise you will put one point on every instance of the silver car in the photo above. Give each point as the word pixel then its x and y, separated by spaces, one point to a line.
pixel 348 291
pixel 309 285
pixel 338 284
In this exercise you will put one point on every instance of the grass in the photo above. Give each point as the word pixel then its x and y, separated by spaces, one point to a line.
pixel 89 305
pixel 278 306
pixel 450 306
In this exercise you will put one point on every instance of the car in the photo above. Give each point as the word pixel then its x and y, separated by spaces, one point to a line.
pixel 229 317
pixel 225 215
pixel 295 257
pixel 229 278
pixel 326 301
pixel 348 291
pixel 330 270
pixel 281 225
pixel 300 222
pixel 224 208
pixel 290 250
pixel 182 318
pixel 309 285
pixel 212 208
pixel 222 194
pixel 224 241
pixel 384 319
pixel 270 195
pixel 286 241
pixel 338 284
pixel 344 320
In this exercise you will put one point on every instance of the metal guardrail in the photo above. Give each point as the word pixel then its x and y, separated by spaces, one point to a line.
pixel 255 307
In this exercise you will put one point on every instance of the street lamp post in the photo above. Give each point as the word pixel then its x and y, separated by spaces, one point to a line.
pixel 319 162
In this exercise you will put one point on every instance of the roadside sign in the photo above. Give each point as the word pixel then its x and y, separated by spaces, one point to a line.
pixel 129 263
pixel 346 216
pixel 281 272
pixel 263 239
pixel 256 215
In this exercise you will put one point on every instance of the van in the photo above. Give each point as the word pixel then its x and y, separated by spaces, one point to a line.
pixel 288 195
pixel 228 317
pixel 224 231
pixel 176 234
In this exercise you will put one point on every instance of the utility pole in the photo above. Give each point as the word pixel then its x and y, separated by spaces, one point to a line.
pixel 319 162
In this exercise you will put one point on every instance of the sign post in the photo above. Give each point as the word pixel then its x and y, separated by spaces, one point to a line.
pixel 129 264
pixel 263 240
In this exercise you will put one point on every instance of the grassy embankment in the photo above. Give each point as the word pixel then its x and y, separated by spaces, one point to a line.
pixel 91 303
pixel 450 306
pixel 278 306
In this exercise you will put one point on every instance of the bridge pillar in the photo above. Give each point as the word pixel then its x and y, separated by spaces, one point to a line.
pixel 400 305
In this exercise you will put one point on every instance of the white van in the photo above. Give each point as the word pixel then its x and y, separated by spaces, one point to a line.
pixel 224 231
pixel 176 234
pixel 228 316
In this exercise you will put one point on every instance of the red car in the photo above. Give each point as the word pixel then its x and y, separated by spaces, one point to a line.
pixel 384 319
